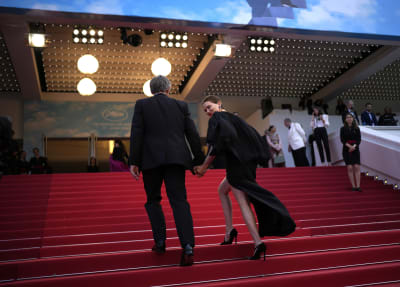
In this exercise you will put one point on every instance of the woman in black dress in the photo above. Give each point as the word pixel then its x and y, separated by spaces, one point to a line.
pixel 351 137
pixel 119 152
pixel 243 149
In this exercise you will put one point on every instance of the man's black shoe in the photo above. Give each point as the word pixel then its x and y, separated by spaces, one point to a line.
pixel 159 248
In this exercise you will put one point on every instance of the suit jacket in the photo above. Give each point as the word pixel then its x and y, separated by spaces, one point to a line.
pixel 296 136
pixel 366 119
pixel 160 127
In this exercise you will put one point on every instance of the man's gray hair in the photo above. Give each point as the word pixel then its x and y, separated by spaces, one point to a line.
pixel 159 84
pixel 287 120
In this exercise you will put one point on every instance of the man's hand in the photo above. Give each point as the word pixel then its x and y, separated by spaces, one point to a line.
pixel 289 148
pixel 135 171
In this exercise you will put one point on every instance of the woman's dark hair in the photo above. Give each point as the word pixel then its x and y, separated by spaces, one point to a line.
pixel 271 127
pixel 119 153
pixel 353 125
pixel 318 109
pixel 212 99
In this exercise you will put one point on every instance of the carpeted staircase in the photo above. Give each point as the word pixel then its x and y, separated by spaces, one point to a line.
pixel 92 230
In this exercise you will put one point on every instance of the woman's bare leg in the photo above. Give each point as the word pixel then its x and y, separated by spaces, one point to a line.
pixel 351 175
pixel 247 214
pixel 357 174
pixel 223 192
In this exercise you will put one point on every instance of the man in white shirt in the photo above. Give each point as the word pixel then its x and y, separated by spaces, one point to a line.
pixel 297 143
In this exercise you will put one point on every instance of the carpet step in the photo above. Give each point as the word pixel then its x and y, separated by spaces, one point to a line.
pixel 145 258
pixel 225 269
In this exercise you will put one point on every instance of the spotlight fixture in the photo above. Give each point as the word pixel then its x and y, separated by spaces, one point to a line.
pixel 173 39
pixel 133 39
pixel 261 44
pixel 37 40
pixel 37 35
pixel 396 186
pixel 87 35
pixel 223 50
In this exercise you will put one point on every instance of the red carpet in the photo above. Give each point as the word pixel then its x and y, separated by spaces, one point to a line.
pixel 92 230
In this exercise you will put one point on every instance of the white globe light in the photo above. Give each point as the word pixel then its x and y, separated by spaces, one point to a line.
pixel 88 64
pixel 161 67
pixel 146 89
pixel 86 87
pixel 100 33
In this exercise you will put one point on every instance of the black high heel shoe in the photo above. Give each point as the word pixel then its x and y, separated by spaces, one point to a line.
pixel 260 248
pixel 232 236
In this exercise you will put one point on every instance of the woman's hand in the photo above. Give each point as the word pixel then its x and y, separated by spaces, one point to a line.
pixel 200 170
pixel 352 148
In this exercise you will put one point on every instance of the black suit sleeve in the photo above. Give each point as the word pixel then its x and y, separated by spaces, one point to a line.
pixel 192 136
pixel 137 134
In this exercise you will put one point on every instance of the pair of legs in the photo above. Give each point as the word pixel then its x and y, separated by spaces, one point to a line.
pixel 300 157
pixel 173 177
pixel 248 216
pixel 353 171
pixel 321 137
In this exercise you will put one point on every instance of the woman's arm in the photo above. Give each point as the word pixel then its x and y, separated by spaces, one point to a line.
pixel 201 169
pixel 325 118
pixel 271 144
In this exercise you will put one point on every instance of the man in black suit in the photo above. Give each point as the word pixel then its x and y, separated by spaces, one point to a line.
pixel 368 118
pixel 161 129
pixel 350 110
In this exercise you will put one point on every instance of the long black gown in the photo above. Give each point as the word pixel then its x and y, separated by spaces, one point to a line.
pixel 244 148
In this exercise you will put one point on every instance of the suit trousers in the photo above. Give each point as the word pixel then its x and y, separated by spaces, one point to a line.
pixel 300 158
pixel 173 177
pixel 321 136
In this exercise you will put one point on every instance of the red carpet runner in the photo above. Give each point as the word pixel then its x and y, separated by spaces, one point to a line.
pixel 92 230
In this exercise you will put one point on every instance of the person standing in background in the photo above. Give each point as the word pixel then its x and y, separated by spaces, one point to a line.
pixel 340 107
pixel 350 136
pixel 319 123
pixel 350 109
pixel 368 118
pixel 272 137
pixel 297 143
pixel 387 119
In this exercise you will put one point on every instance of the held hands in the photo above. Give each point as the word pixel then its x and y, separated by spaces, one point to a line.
pixel 200 170
pixel 134 171
pixel 352 148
